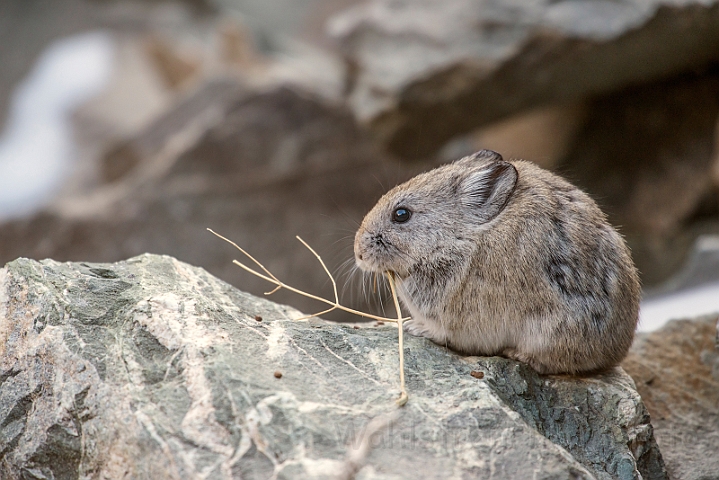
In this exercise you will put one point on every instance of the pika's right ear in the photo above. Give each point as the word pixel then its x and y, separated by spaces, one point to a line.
pixel 487 190
pixel 482 156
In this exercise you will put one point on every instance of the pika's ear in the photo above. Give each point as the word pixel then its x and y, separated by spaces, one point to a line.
pixel 482 156
pixel 488 189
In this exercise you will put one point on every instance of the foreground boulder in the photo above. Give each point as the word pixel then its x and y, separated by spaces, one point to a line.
pixel 151 368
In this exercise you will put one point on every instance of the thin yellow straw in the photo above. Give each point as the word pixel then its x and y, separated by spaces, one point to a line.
pixel 403 397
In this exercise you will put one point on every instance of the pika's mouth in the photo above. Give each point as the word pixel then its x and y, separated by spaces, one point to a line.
pixel 364 264
pixel 396 275
pixel 371 267
pixel 376 254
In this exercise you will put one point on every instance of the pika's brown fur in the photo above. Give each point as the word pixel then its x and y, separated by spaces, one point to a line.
pixel 505 258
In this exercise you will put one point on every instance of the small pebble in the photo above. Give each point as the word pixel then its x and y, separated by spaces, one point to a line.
pixel 477 374
pixel 378 323
pixel 278 374
pixel 258 318
pixel 355 327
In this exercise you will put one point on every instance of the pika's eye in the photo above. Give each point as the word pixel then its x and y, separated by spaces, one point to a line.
pixel 401 215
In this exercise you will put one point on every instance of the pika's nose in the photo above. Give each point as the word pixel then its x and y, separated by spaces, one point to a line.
pixel 357 245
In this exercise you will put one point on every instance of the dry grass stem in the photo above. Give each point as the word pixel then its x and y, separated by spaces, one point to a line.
pixel 403 397
pixel 269 277
pixel 361 447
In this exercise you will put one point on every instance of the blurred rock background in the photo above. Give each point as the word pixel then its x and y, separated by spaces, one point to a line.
pixel 269 119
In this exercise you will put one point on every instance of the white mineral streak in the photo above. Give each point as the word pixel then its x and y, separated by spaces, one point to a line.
pixel 36 147
pixel 261 415
pixel 314 407
pixel 385 367
pixel 134 372
pixel 173 322
pixel 627 410
pixel 16 332
pixel 4 320
pixel 350 364
pixel 277 343
pixel 369 471
pixel 314 467
pixel 146 422
pixel 200 424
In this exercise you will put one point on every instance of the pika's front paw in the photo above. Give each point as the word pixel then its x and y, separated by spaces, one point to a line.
pixel 426 330
pixel 416 328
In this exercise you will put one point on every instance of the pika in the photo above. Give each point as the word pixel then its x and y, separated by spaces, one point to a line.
pixel 505 258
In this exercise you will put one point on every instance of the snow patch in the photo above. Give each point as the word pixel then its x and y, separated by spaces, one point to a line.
pixel 36 148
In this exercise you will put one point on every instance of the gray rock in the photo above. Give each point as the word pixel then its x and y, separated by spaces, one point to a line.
pixel 676 370
pixel 426 71
pixel 152 368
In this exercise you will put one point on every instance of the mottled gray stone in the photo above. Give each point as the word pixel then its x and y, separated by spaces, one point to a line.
pixel 151 368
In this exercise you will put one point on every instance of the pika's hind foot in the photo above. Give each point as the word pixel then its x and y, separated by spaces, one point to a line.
pixel 536 365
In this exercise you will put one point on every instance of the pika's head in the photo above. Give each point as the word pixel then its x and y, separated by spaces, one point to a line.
pixel 435 214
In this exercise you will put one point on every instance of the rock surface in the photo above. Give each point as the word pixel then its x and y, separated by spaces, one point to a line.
pixel 151 368
pixel 676 370
pixel 427 71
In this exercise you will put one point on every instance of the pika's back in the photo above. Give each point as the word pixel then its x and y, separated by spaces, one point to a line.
pixel 567 271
